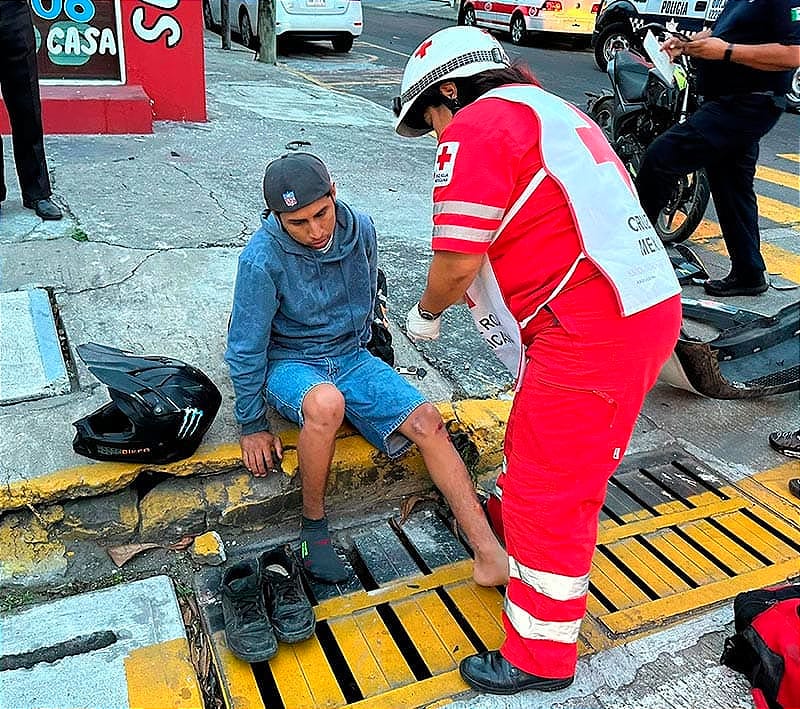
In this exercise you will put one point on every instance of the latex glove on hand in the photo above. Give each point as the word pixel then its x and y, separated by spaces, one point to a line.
pixel 419 328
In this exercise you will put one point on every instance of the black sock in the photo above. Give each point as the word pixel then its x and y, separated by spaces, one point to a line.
pixel 318 554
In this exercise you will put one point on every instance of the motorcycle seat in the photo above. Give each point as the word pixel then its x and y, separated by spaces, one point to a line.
pixel 630 74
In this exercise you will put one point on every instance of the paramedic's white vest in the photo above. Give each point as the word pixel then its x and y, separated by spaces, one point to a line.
pixel 613 230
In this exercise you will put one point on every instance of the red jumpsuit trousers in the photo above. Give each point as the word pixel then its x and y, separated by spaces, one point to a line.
pixel 571 421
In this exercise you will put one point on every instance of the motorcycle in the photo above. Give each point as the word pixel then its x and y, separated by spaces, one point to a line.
pixel 642 105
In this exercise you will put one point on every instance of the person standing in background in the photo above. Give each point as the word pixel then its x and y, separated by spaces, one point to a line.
pixel 19 83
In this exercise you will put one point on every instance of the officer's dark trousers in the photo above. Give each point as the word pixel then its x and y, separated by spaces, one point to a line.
pixel 19 82
pixel 722 136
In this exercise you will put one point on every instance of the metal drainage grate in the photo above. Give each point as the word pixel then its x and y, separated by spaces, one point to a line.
pixel 674 538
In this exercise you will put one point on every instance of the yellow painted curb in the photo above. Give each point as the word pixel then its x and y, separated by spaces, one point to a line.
pixel 482 420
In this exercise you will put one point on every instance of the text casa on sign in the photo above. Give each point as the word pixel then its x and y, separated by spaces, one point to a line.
pixel 80 41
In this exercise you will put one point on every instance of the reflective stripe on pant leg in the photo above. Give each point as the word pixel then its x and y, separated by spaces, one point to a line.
pixel 550 542
pixel 574 414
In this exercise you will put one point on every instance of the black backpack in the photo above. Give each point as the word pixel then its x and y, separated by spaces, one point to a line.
pixel 380 343
pixel 766 647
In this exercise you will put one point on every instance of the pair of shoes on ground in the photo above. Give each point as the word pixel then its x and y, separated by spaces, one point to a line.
pixel 491 672
pixel 733 285
pixel 44 208
pixel 263 601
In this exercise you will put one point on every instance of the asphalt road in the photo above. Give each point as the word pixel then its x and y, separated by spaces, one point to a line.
pixel 564 66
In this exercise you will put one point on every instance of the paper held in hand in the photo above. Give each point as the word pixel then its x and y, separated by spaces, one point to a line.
pixel 661 60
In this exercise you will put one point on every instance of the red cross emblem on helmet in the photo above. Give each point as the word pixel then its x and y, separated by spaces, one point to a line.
pixel 423 49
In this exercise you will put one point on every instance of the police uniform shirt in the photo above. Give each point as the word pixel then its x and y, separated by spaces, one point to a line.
pixel 751 22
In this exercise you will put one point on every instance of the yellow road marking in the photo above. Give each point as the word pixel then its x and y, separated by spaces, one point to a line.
pixel 778 177
pixel 308 77
pixel 794 157
pixel 779 261
pixel 161 675
pixel 706 231
pixel 385 49
pixel 776 211
pixel 375 82
pixel 303 676
pixel 239 687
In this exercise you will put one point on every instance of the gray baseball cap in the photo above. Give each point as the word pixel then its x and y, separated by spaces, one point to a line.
pixel 294 181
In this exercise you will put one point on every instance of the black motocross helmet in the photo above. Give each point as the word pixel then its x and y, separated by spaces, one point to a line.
pixel 159 411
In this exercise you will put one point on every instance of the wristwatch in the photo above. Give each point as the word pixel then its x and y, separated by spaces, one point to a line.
pixel 728 51
pixel 427 314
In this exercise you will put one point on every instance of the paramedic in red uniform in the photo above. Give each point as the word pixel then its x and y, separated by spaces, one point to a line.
pixel 537 227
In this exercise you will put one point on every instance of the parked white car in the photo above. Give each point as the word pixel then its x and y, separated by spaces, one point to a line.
pixel 339 21
pixel 521 18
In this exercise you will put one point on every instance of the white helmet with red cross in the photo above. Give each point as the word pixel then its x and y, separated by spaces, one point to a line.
pixel 448 54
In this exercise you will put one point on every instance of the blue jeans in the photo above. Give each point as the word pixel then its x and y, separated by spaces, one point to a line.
pixel 377 399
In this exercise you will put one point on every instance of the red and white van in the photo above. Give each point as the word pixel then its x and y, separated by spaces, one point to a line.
pixel 519 18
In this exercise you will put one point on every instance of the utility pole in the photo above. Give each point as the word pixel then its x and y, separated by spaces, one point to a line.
pixel 225 10
pixel 267 50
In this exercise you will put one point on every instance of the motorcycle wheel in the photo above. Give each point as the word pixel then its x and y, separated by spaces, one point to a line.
pixel 611 40
pixel 685 209
pixel 602 112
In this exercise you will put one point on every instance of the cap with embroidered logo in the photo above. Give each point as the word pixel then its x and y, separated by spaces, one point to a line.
pixel 294 181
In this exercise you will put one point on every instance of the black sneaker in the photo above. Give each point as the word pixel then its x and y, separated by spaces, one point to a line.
pixel 733 285
pixel 247 628
pixel 794 487
pixel 288 606
pixel 786 442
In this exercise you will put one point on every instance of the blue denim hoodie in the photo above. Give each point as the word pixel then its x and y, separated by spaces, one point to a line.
pixel 294 302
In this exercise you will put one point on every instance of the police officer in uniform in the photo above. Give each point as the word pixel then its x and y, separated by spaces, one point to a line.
pixel 744 69
pixel 19 82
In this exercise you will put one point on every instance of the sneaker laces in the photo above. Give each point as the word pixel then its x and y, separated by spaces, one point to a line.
pixel 286 588
pixel 249 609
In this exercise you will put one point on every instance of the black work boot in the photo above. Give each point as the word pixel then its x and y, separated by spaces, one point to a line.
pixel 247 628
pixel 491 672
pixel 287 604
pixel 736 285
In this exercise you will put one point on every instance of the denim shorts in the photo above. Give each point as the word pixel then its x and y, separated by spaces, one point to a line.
pixel 377 399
